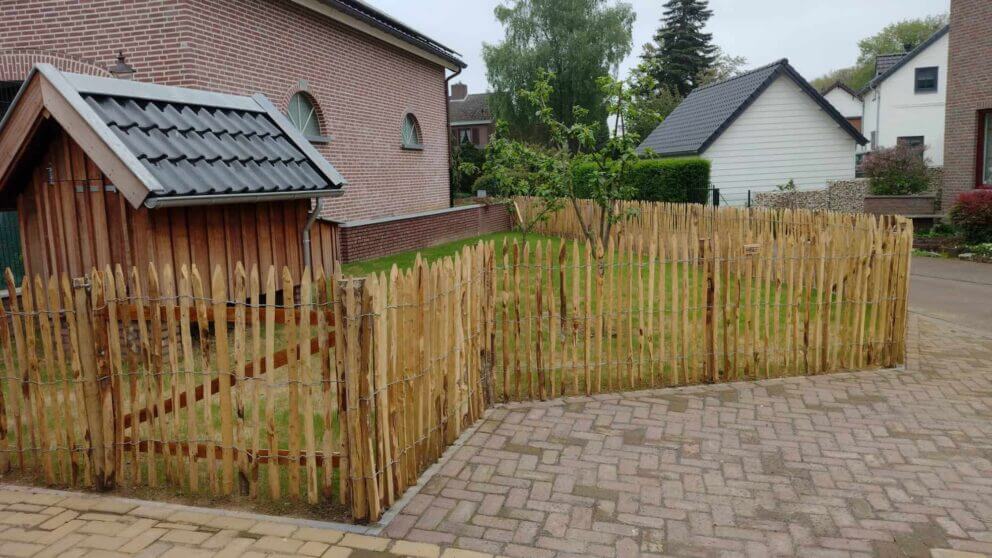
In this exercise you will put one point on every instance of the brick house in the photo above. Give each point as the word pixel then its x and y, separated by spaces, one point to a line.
pixel 968 138
pixel 319 61
pixel 370 93
pixel 470 117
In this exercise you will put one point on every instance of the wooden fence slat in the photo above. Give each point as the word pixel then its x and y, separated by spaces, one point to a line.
pixel 241 436
pixel 270 386
pixel 189 366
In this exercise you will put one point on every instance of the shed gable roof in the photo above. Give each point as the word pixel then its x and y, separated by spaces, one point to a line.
pixel 708 111
pixel 168 145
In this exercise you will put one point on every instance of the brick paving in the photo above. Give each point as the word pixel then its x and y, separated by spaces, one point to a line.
pixel 890 463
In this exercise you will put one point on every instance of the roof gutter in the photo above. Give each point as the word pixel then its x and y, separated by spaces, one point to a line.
pixel 222 199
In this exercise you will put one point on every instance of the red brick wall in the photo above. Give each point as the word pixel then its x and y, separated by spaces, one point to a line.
pixel 382 238
pixel 900 205
pixel 969 90
pixel 363 87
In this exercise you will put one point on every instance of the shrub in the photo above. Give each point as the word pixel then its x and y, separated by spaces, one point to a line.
pixel 972 214
pixel 983 250
pixel 897 171
pixel 487 182
pixel 679 180
pixel 463 180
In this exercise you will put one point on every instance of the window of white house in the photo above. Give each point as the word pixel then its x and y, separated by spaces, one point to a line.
pixel 911 141
pixel 926 80
pixel 303 115
pixel 985 149
pixel 412 138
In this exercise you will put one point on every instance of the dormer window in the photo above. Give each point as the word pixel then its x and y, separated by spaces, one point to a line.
pixel 926 80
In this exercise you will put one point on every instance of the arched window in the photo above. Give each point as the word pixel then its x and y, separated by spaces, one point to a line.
pixel 303 115
pixel 412 138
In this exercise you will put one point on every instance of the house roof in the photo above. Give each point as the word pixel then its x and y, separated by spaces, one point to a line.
pixel 843 87
pixel 170 146
pixel 708 111
pixel 378 19
pixel 885 61
pixel 473 108
pixel 888 64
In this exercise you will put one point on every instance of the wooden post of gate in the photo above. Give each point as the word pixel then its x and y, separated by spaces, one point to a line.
pixel 91 389
pixel 360 472
pixel 706 250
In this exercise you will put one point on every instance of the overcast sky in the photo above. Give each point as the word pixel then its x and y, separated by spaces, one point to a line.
pixel 815 35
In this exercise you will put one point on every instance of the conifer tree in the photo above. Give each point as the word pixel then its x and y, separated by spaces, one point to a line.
pixel 682 53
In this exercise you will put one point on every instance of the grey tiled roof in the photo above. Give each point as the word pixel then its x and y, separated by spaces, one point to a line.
pixel 709 110
pixel 885 61
pixel 194 150
pixel 472 108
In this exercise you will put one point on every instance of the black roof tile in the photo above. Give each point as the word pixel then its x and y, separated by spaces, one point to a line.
pixel 193 150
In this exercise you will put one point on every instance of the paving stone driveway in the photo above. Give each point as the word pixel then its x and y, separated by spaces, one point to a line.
pixel 875 463
pixel 881 463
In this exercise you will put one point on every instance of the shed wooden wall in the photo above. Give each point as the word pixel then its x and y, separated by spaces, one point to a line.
pixel 72 219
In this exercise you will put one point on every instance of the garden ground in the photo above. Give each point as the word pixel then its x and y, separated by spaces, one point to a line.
pixel 888 463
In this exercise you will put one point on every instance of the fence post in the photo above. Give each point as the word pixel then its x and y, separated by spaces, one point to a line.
pixel 91 389
pixel 356 338
pixel 709 350
pixel 716 197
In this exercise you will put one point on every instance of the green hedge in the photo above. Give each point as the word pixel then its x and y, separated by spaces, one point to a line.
pixel 680 180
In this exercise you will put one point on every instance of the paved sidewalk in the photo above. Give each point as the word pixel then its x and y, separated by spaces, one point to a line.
pixel 890 463
pixel 46 523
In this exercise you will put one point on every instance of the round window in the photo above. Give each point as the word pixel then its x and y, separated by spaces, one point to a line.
pixel 303 115
pixel 412 138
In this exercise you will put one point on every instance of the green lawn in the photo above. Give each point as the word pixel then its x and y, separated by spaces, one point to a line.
pixel 406 259
pixel 623 306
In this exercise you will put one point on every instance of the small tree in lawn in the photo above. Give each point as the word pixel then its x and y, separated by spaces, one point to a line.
pixel 515 169
pixel 614 161
pixel 548 174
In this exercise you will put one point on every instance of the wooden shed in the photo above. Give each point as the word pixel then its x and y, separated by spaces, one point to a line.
pixel 108 171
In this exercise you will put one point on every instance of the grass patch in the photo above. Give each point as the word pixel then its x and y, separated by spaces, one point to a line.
pixel 405 260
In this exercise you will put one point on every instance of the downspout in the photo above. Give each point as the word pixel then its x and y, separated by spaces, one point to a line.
pixel 878 116
pixel 447 131
pixel 311 219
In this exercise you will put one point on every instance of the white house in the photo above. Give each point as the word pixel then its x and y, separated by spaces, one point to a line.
pixel 760 130
pixel 905 101
pixel 847 102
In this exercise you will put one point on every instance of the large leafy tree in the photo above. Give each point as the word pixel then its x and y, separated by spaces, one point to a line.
pixel 573 41
pixel 650 103
pixel 893 38
pixel 681 54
